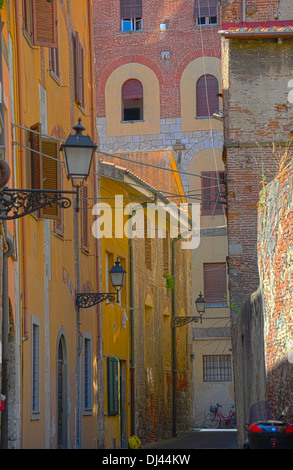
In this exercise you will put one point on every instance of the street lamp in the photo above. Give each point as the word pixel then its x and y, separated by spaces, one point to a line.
pixel 78 151
pixel 87 300
pixel 200 304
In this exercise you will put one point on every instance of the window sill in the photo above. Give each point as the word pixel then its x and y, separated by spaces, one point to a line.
pixel 131 32
pixel 203 117
pixel 206 24
pixel 135 120
pixel 217 305
pixel 55 78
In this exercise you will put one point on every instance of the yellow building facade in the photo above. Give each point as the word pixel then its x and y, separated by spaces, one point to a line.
pixel 53 403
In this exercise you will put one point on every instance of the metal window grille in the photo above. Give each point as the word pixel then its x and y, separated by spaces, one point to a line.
pixel 35 398
pixel 87 374
pixel 217 368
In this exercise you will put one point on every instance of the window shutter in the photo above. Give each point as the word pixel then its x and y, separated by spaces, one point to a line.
pixel 35 158
pixel 212 192
pixel 45 23
pixel 112 369
pixel 131 8
pixel 132 90
pixel 84 218
pixel 205 8
pixel 27 19
pixel 54 61
pixel 215 283
pixel 79 70
pixel 50 176
pixel 207 101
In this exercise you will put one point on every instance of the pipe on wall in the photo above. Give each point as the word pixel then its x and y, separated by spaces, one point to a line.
pixel 23 176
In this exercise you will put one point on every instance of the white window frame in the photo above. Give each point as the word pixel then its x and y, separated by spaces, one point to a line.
pixel 207 20
pixel 133 24
pixel 35 368
pixel 87 378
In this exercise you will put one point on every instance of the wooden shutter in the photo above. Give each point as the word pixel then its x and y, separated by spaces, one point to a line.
pixel 27 19
pixel 45 23
pixel 54 61
pixel 79 70
pixel 207 101
pixel 35 158
pixel 131 8
pixel 215 283
pixel 212 192
pixel 112 369
pixel 84 218
pixel 50 172
pixel 204 8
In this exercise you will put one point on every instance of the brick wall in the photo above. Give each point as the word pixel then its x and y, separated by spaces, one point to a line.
pixel 258 116
pixel 184 41
pixel 275 252
pixel 255 10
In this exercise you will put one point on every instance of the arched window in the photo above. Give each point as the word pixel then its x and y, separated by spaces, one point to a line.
pixel 207 100
pixel 132 100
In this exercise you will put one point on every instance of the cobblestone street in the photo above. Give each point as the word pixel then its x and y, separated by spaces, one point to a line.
pixel 199 439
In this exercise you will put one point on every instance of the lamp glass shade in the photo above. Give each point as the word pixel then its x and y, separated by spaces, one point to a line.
pixel 200 304
pixel 117 274
pixel 77 161
pixel 78 151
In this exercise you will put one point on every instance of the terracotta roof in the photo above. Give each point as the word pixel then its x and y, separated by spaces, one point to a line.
pixel 245 32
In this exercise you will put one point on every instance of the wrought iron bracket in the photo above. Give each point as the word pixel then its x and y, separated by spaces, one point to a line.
pixel 16 203
pixel 87 300
pixel 181 321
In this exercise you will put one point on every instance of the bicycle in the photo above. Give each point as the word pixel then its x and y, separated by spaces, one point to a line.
pixel 215 418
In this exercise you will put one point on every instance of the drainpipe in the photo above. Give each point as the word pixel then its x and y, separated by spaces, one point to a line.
pixel 132 367
pixel 244 11
pixel 23 179
pixel 5 332
pixel 174 353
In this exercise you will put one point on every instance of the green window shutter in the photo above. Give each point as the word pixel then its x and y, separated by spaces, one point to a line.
pixel 112 368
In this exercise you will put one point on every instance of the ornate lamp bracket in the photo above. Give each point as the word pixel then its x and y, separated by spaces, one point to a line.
pixel 87 300
pixel 16 203
pixel 181 321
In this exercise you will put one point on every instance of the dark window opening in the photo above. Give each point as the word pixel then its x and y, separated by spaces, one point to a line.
pixel 132 100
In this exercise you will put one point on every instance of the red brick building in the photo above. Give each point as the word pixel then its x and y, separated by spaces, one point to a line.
pixel 257 44
pixel 257 67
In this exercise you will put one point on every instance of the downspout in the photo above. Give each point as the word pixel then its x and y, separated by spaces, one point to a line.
pixel 96 188
pixel 132 364
pixel 23 176
pixel 174 352
pixel 5 332
pixel 244 11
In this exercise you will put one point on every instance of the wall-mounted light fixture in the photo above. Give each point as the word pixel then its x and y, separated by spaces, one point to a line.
pixel 87 300
pixel 200 304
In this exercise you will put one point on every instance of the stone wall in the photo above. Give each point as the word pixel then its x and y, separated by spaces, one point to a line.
pixel 248 353
pixel 275 254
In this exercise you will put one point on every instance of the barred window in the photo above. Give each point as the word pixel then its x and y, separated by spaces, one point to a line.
pixel 217 368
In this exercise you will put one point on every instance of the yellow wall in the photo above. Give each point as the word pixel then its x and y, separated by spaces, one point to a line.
pixel 116 328
pixel 151 101
pixel 49 257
